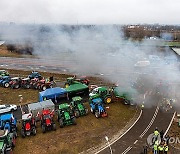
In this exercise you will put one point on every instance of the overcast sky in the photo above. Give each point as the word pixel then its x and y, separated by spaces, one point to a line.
pixel 90 11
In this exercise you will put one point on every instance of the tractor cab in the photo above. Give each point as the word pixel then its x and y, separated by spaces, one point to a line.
pixel 35 75
pixel 7 121
pixel 101 92
pixel 26 80
pixel 65 115
pixel 78 107
pixel 47 122
pixel 15 82
pixel 97 108
pixel 7 141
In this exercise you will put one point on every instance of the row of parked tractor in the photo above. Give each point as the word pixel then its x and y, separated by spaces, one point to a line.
pixel 45 112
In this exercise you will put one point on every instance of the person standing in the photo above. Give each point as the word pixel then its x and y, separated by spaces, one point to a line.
pixel 155 147
pixel 161 149
pixel 166 148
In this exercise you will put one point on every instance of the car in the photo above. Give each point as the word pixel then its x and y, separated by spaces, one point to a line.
pixel 7 108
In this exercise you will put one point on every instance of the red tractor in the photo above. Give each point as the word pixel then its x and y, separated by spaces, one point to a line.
pixel 28 125
pixel 47 122
pixel 33 83
pixel 25 83
pixel 83 79
pixel 43 84
pixel 15 82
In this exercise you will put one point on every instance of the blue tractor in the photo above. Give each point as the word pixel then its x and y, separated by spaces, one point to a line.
pixel 35 75
pixel 97 107
pixel 8 122
pixel 4 81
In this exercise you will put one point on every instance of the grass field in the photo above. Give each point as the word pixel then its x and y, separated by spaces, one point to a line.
pixel 88 132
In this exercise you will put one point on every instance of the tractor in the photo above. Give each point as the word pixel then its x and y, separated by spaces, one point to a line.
pixel 47 122
pixel 103 93
pixel 66 115
pixel 4 81
pixel 9 122
pixel 43 85
pixel 25 83
pixel 28 125
pixel 3 73
pixel 97 107
pixel 78 107
pixel 33 83
pixel 7 141
pixel 15 82
pixel 82 79
pixel 128 95
pixel 35 75
pixel 69 82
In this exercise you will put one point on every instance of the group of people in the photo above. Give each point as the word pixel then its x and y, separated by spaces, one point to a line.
pixel 160 146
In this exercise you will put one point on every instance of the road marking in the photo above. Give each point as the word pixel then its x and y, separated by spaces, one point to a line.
pixel 127 150
pixel 121 135
pixel 135 141
pixel 169 124
pixel 151 122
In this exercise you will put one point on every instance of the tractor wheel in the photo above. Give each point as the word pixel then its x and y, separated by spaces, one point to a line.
pixel 77 114
pixel 27 86
pixel 16 86
pixel 61 123
pixel 92 110
pixel 43 88
pixel 97 115
pixel 54 126
pixel 67 85
pixel 108 99
pixel 43 128
pixel 22 133
pixel 74 121
pixel 6 85
pixel 86 111
pixel 34 131
pixel 9 151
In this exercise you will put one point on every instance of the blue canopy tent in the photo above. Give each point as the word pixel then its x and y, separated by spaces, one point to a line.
pixel 52 93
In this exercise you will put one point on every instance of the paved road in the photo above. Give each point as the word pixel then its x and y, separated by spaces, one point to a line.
pixel 133 141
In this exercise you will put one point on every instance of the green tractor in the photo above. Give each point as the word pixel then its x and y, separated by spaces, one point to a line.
pixel 127 94
pixel 7 141
pixel 103 93
pixel 78 107
pixel 66 115
pixel 3 73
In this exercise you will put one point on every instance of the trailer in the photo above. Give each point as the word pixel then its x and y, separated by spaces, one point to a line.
pixel 37 108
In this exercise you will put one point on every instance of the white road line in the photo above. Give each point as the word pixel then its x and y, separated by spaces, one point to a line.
pixel 121 135
pixel 151 122
pixel 127 150
pixel 135 141
pixel 169 124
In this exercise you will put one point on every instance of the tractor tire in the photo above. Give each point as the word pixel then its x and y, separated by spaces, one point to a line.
pixel 74 121
pixel 97 115
pixel 27 86
pixel 6 85
pixel 43 128
pixel 92 111
pixel 44 88
pixel 77 114
pixel 86 111
pixel 107 99
pixel 23 133
pixel 61 123
pixel 34 131
pixel 66 85
pixel 8 151
pixel 54 126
